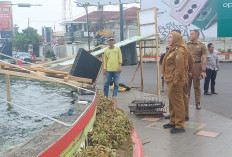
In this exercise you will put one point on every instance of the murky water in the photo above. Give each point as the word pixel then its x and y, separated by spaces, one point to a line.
pixel 17 125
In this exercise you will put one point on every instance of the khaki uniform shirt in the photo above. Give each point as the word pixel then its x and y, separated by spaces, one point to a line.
pixel 174 69
pixel 197 49
pixel 190 63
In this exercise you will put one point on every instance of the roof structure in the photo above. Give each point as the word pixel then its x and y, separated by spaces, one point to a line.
pixel 128 14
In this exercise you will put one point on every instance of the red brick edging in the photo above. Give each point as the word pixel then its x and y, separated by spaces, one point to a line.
pixel 137 148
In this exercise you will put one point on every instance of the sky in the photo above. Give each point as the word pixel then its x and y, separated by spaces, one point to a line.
pixel 49 14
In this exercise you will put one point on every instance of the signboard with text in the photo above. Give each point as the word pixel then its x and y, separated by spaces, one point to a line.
pixel 106 2
pixel 224 18
pixel 6 23
pixel 186 15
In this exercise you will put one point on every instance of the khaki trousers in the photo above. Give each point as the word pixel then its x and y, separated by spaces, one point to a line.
pixel 197 69
pixel 186 99
pixel 176 105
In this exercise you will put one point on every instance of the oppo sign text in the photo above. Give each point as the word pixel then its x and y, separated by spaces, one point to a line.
pixel 227 5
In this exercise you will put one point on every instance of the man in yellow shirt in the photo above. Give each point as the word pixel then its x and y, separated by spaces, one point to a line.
pixel 112 66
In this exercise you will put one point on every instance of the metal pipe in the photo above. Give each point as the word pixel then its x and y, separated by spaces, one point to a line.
pixel 121 21
pixel 87 18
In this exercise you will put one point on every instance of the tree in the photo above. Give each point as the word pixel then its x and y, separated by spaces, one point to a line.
pixel 16 30
pixel 23 39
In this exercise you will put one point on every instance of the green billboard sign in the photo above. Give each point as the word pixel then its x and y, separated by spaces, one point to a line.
pixel 224 28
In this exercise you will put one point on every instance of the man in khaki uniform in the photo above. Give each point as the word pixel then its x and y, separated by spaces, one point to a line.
pixel 186 95
pixel 199 53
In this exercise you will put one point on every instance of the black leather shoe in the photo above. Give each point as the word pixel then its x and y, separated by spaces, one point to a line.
pixel 176 130
pixel 214 93
pixel 198 106
pixel 187 118
pixel 207 93
pixel 168 126
pixel 167 117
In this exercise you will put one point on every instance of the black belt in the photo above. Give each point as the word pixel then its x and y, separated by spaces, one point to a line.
pixel 197 62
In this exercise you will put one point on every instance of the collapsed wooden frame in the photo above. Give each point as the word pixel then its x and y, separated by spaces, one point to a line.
pixel 141 46
pixel 45 75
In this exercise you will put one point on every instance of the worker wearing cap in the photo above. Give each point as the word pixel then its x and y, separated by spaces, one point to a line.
pixel 112 66
pixel 199 53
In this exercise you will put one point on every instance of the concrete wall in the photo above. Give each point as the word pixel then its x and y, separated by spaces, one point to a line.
pixel 62 51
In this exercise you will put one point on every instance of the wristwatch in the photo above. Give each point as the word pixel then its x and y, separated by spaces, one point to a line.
pixel 203 71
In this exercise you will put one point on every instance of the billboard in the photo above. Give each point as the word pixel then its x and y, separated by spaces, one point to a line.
pixel 185 15
pixel 224 18
pixel 106 2
pixel 6 23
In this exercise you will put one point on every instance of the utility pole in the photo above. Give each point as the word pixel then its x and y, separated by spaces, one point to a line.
pixel 28 22
pixel 87 18
pixel 121 21
pixel 85 6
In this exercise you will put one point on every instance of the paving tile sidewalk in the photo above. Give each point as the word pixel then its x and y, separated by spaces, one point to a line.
pixel 207 134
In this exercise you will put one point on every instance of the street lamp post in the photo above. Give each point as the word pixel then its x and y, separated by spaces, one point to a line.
pixel 85 6
pixel 87 18
pixel 121 21
pixel 26 4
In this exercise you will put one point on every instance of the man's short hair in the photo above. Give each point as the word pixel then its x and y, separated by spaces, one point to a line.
pixel 209 45
pixel 176 30
pixel 196 31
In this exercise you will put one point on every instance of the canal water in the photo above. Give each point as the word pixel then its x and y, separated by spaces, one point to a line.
pixel 17 126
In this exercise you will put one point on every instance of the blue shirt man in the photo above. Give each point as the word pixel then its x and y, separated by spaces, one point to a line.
pixel 211 70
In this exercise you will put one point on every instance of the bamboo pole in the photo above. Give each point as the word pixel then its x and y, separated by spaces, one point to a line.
pixel 8 89
pixel 157 52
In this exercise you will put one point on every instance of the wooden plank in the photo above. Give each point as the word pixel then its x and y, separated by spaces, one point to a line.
pixel 140 51
pixel 52 66
pixel 141 65
pixel 47 70
pixel 133 78
pixel 157 52
pixel 36 69
pixel 8 88
pixel 135 87
pixel 147 9
pixel 42 78
pixel 66 67
pixel 99 73
pixel 59 60
pixel 152 23
pixel 4 64
pixel 80 79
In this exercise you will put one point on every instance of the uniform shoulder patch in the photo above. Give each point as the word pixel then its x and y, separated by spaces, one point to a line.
pixel 200 43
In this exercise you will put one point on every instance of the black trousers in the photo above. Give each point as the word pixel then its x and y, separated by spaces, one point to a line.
pixel 211 76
